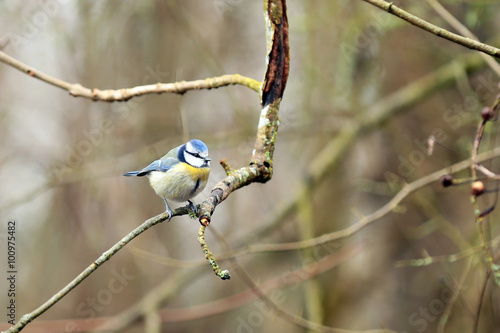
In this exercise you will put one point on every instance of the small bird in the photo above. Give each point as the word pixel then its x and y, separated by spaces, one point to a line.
pixel 179 175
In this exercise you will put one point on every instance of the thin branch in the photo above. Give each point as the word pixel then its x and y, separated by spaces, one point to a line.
pixel 445 14
pixel 450 258
pixel 440 32
pixel 299 275
pixel 181 278
pixel 124 94
pixel 27 318
pixel 488 173
pixel 487 114
pixel 475 149
pixel 153 299
pixel 294 319
pixel 431 260
pixel 369 219
pixel 456 288
pixel 312 291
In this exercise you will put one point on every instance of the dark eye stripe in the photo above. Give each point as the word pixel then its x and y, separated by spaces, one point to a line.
pixel 194 154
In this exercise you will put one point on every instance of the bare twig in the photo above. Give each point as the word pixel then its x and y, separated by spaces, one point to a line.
pixel 488 173
pixel 475 149
pixel 222 273
pixel 124 94
pixel 440 32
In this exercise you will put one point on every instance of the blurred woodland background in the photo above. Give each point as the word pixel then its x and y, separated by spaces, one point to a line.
pixel 62 162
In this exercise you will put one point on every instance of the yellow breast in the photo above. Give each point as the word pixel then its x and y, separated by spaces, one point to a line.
pixel 197 173
pixel 180 183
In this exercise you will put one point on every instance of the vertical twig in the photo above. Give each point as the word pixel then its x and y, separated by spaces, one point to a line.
pixel 222 273
pixel 480 303
pixel 487 114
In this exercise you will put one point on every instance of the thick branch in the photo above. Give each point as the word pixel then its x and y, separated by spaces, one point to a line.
pixel 273 86
pixel 440 32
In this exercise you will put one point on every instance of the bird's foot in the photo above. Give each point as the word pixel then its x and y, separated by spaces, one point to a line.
pixel 193 210
pixel 168 211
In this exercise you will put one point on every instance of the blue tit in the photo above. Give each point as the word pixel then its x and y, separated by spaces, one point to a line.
pixel 179 175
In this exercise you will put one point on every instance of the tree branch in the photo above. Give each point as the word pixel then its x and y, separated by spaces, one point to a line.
pixel 440 32
pixel 124 94
pixel 369 219
pixel 27 318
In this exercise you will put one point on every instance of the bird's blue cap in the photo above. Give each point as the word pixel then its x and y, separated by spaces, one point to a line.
pixel 199 145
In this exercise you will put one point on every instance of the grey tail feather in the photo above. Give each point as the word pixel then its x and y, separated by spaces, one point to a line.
pixel 132 173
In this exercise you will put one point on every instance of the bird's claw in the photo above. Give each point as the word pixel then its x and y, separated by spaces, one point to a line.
pixel 193 210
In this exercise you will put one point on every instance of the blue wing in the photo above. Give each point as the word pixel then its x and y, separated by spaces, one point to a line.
pixel 162 165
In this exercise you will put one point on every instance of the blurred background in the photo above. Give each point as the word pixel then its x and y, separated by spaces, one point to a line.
pixel 62 160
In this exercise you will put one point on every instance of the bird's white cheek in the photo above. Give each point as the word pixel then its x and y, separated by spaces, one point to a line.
pixel 194 161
